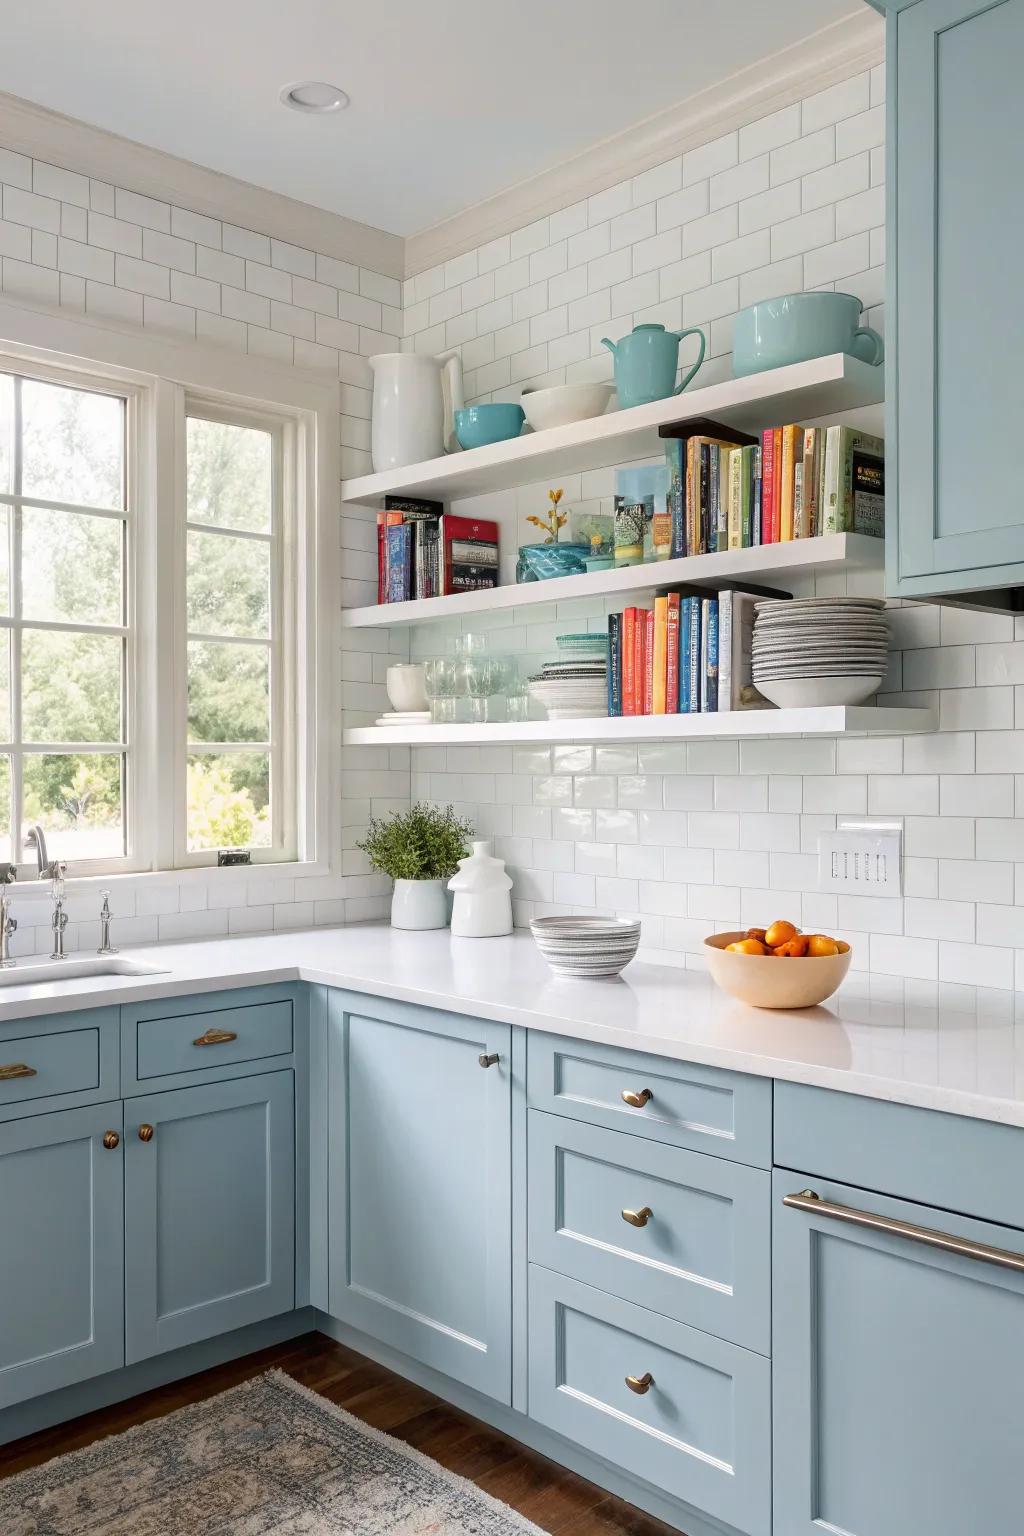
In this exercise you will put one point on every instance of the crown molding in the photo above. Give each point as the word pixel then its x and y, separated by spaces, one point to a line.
pixel 64 141
pixel 855 43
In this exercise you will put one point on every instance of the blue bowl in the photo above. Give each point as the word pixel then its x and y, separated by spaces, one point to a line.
pixel 478 425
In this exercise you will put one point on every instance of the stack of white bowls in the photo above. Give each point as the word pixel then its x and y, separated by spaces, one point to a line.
pixel 586 947
pixel 814 651
pixel 575 687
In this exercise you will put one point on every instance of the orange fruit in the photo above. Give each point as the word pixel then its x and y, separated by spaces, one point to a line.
pixel 793 949
pixel 780 932
pixel 755 933
pixel 819 944
pixel 746 947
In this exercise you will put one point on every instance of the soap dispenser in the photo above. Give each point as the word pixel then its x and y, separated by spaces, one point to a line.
pixel 483 906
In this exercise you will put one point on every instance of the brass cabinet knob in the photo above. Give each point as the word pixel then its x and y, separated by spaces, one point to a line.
pixel 145 1133
pixel 16 1069
pixel 489 1061
pixel 640 1384
pixel 638 1218
pixel 111 1140
pixel 637 1100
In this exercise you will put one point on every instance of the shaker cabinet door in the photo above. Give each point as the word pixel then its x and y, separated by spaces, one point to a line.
pixel 209 1210
pixel 61 1250
pixel 898 1368
pixel 420 1186
pixel 955 391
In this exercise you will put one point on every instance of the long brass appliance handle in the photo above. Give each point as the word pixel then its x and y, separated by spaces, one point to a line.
pixel 16 1069
pixel 814 1205
pixel 216 1037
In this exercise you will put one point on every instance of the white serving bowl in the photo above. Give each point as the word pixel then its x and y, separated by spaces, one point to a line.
pixel 764 981
pixel 586 947
pixel 561 404
pixel 817 692
pixel 406 687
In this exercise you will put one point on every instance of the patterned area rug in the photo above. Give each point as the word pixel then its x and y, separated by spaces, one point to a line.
pixel 268 1458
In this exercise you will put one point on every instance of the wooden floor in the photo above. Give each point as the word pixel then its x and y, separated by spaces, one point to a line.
pixel 554 1499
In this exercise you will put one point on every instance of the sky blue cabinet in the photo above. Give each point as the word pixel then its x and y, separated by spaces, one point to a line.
pixel 954 390
pixel 61 1250
pixel 209 1210
pixel 898 1371
pixel 420 1218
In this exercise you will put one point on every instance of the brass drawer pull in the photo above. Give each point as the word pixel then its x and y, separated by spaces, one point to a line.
pixel 808 1201
pixel 489 1061
pixel 637 1100
pixel 640 1384
pixel 111 1140
pixel 145 1133
pixel 638 1218
pixel 16 1069
pixel 216 1037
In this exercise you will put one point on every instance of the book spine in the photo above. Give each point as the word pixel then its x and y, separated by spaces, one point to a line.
pixel 777 485
pixel 788 484
pixel 808 487
pixel 684 655
pixel 726 606
pixel 767 484
pixel 695 653
pixel 398 562
pixel 675 454
pixel 830 482
pixel 692 493
pixel 756 508
pixel 798 497
pixel 703 545
pixel 659 657
pixel 848 442
pixel 629 628
pixel 647 664
pixel 672 655
pixel 746 489
pixel 615 663
pixel 720 472
pixel 710 679
pixel 734 512
pixel 382 559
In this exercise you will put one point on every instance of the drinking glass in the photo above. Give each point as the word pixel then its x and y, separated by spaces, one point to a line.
pixel 441 680
pixel 517 692
pixel 475 670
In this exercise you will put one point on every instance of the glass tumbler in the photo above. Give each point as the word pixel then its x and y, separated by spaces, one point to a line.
pixel 441 680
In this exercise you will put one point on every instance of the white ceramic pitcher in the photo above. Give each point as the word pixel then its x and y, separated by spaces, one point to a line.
pixel 415 397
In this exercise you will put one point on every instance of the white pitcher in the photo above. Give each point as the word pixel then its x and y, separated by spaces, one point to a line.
pixel 415 397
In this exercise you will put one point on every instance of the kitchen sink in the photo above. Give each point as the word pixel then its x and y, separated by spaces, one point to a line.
pixel 28 972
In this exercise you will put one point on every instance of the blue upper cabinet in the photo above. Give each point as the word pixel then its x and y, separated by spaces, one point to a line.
pixel 420 1185
pixel 954 389
pixel 899 1367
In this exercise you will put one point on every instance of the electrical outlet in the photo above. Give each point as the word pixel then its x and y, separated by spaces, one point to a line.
pixel 861 859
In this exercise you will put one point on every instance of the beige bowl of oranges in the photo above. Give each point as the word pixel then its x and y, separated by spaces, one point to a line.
pixel 777 966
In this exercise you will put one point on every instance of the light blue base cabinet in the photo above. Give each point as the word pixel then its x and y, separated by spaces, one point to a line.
pixel 61 1250
pixel 421 1185
pixel 209 1211
pixel 956 324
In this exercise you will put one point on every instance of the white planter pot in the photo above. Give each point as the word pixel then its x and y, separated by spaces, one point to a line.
pixel 419 904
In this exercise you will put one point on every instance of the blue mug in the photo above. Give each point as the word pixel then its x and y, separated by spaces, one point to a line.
pixel 799 326
pixel 646 362
pixel 476 426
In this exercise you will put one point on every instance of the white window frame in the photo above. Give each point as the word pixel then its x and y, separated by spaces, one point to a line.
pixel 161 377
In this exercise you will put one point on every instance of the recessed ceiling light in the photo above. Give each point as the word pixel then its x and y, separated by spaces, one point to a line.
pixel 314 96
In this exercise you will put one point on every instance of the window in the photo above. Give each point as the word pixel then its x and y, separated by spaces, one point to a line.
pixel 165 638
pixel 236 776
pixel 66 646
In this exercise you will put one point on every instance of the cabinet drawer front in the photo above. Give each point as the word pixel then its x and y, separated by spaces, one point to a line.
pixel 700 1431
pixel 44 1066
pixel 703 1251
pixel 221 1037
pixel 724 1113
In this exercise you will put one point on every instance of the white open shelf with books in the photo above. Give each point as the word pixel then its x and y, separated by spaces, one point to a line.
pixel 835 720
pixel 802 392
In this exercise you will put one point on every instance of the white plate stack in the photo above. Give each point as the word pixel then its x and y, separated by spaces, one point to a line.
pixel 810 652
pixel 573 687
pixel 586 947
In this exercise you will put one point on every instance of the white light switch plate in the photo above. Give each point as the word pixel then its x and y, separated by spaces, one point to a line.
pixel 861 860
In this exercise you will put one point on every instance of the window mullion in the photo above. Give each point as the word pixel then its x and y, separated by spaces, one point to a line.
pixel 14 588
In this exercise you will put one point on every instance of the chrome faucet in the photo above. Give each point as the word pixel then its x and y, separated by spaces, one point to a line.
pixel 37 837
pixel 8 924
pixel 106 948
pixel 59 921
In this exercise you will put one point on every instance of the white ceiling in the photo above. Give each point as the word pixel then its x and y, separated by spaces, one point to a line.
pixel 452 100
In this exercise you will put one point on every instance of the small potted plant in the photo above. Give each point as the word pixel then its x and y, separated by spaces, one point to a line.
pixel 420 849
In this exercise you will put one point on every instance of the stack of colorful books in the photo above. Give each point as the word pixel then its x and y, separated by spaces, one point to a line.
pixel 689 654
pixel 795 483
pixel 423 551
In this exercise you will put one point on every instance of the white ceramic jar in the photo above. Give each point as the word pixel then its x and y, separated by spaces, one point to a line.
pixel 415 397
pixel 419 904
pixel 483 904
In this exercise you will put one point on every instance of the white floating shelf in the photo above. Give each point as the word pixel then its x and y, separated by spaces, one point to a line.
pixel 838 720
pixel 803 391
pixel 764 565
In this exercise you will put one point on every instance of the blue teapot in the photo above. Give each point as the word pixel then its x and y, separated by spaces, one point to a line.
pixel 646 362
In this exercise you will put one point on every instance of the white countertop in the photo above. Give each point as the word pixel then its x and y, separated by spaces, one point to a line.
pixel 959 1049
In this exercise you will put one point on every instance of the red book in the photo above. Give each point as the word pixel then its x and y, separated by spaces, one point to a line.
pixel 672 664
pixel 469 554
pixel 382 556
pixel 647 671
pixel 767 484
pixel 777 485
pixel 639 637
pixel 629 628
